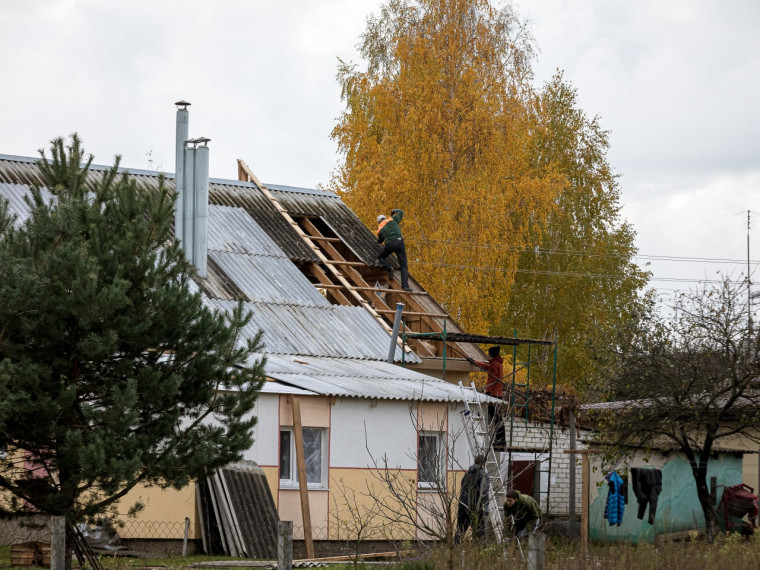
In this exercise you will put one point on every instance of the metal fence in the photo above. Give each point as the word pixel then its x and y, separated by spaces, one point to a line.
pixel 131 528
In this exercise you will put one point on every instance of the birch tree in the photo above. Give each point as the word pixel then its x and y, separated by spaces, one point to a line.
pixel 438 123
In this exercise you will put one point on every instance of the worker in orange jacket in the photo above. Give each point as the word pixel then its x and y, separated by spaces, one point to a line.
pixel 389 234
pixel 494 388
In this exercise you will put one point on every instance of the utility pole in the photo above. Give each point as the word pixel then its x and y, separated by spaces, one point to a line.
pixel 749 298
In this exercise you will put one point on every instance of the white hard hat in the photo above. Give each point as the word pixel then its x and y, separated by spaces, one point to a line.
pixel 380 218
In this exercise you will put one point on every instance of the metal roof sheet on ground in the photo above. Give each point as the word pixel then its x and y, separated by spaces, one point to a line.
pixel 353 378
pixel 332 330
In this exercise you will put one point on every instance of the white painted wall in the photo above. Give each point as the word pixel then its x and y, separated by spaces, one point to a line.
pixel 386 429
pixel 266 433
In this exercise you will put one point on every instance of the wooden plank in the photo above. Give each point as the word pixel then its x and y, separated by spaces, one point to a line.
pixel 412 313
pixel 344 262
pixel 324 281
pixel 584 507
pixel 285 214
pixel 348 557
pixel 585 481
pixel 380 290
pixel 324 238
pixel 302 482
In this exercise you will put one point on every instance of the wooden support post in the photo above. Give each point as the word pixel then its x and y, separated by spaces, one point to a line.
pixel 302 482
pixel 586 477
pixel 57 543
pixel 537 551
pixel 285 546
pixel 187 533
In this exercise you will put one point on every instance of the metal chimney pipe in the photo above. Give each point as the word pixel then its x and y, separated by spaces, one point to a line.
pixel 394 335
pixel 188 210
pixel 200 228
pixel 183 125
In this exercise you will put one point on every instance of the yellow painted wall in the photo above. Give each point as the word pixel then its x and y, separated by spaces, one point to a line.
pixel 290 510
pixel 164 513
pixel 352 514
pixel 432 416
pixel 273 479
pixel 750 472
pixel 315 411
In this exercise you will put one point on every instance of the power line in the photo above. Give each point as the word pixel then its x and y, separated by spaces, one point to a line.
pixel 559 251
pixel 565 273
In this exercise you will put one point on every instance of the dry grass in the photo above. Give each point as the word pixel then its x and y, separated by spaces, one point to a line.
pixel 726 553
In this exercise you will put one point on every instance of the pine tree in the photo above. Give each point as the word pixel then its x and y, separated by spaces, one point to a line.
pixel 112 370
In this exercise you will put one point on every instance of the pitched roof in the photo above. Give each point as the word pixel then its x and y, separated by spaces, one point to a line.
pixel 312 344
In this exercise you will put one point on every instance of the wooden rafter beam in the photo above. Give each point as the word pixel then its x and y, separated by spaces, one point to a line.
pixel 336 274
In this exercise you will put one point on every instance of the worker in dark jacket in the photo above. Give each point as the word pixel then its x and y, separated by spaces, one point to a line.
pixel 522 513
pixel 473 501
pixel 494 367
pixel 389 233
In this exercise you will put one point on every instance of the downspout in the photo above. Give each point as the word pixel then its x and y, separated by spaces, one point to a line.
pixel 394 334
pixel 200 227
pixel 183 125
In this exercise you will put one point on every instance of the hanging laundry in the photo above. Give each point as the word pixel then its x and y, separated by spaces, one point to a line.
pixel 615 507
pixel 647 486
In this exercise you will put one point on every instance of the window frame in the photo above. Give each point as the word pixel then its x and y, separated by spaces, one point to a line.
pixel 439 457
pixel 291 482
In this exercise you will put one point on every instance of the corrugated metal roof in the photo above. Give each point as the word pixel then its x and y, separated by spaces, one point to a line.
pixel 15 194
pixel 332 330
pixel 274 387
pixel 251 248
pixel 361 379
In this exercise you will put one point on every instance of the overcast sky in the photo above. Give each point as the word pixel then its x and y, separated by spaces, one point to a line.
pixel 674 81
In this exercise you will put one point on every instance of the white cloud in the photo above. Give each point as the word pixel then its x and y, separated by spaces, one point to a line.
pixel 675 82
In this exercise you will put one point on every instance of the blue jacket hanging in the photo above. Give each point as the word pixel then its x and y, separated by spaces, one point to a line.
pixel 615 507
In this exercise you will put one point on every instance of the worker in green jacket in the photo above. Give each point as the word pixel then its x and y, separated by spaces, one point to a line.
pixel 389 234
pixel 522 513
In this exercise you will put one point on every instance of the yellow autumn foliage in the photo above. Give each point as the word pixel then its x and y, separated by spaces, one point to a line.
pixel 439 124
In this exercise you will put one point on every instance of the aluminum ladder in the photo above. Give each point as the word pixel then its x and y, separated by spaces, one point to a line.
pixel 480 437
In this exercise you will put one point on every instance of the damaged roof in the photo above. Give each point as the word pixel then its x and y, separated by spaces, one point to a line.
pixel 246 261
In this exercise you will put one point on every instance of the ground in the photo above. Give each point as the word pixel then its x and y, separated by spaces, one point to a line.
pixel 728 552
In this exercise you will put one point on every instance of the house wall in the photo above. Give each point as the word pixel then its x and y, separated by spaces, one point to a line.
pixel 534 438
pixel 163 516
pixel 677 506
pixel 364 433
pixel 751 473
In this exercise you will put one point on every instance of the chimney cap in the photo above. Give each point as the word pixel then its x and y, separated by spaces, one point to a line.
pixel 182 103
pixel 202 140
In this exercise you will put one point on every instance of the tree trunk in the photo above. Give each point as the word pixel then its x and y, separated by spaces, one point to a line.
pixel 711 518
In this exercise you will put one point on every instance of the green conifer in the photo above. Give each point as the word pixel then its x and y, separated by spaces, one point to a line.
pixel 112 370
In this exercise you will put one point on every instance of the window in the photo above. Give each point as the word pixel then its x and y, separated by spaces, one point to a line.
pixel 430 460
pixel 315 458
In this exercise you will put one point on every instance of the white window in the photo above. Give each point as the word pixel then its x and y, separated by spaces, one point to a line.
pixel 431 459
pixel 314 445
